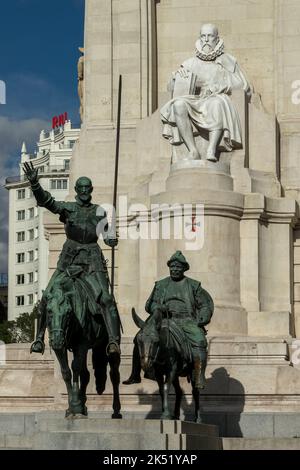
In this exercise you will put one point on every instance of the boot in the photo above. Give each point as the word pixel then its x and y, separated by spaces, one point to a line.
pixel 135 376
pixel 111 319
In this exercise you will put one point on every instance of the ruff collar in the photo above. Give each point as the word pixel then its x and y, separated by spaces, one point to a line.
pixel 218 50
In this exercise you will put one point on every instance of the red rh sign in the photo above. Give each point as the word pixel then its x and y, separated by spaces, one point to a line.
pixel 59 121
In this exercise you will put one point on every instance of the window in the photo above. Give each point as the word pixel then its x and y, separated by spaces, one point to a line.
pixel 30 299
pixel 21 215
pixel 30 234
pixel 67 164
pixel 20 300
pixel 20 258
pixel 31 213
pixel 30 193
pixel 20 279
pixel 59 184
pixel 21 236
pixel 21 194
pixel 36 274
pixel 41 169
pixel 30 256
pixel 36 233
pixel 36 254
pixel 30 278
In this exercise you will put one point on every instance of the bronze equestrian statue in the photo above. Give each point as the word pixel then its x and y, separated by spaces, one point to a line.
pixel 76 306
pixel 172 342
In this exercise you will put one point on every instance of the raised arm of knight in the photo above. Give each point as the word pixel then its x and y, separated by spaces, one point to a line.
pixel 43 198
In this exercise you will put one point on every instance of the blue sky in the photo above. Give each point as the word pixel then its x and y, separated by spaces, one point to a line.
pixel 39 42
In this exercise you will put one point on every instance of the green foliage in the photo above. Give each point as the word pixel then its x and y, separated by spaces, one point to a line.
pixel 20 330
pixel 6 332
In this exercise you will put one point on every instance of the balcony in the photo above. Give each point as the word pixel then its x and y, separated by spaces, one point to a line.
pixel 47 172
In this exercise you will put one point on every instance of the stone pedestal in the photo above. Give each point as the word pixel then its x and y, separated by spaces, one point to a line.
pixel 51 431
pixel 217 262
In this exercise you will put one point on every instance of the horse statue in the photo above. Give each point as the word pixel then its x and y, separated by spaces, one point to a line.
pixel 67 334
pixel 165 356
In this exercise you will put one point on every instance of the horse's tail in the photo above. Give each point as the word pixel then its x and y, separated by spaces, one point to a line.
pixel 100 361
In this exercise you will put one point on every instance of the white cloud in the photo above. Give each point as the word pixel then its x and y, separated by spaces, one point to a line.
pixel 12 135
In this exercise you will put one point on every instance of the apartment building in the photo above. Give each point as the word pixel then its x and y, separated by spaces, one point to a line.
pixel 28 246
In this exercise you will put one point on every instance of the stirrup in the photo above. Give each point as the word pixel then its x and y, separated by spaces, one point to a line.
pixel 37 342
pixel 116 350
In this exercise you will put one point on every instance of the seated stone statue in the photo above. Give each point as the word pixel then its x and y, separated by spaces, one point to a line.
pixel 203 107
pixel 189 306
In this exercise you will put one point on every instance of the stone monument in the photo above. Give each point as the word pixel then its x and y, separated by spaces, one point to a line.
pixel 250 258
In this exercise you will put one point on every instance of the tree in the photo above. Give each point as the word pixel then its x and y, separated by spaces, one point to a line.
pixel 3 312
pixel 20 330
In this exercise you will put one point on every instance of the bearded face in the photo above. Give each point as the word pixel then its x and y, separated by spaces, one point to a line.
pixel 209 38
pixel 84 189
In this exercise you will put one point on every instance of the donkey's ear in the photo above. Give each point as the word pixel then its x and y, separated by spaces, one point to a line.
pixel 137 320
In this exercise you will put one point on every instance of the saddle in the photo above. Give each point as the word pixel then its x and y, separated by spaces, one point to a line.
pixel 182 345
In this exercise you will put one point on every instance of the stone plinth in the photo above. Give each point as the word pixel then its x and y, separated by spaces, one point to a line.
pixel 199 173
pixel 50 431
pixel 244 375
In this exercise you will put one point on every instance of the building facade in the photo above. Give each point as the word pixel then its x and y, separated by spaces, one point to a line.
pixel 28 244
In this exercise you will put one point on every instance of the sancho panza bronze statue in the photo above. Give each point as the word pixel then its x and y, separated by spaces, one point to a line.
pixel 190 307
pixel 172 342
pixel 81 257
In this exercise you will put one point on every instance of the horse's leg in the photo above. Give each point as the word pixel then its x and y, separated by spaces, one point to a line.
pixel 160 382
pixel 80 353
pixel 167 385
pixel 166 413
pixel 196 391
pixel 178 392
pixel 84 381
pixel 62 357
pixel 198 381
pixel 114 362
pixel 100 361
pixel 196 396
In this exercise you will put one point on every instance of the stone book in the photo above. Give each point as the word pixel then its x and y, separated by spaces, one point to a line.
pixel 185 86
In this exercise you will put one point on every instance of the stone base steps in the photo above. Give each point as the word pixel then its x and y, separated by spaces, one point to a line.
pixel 246 431
pixel 51 431
pixel 261 444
